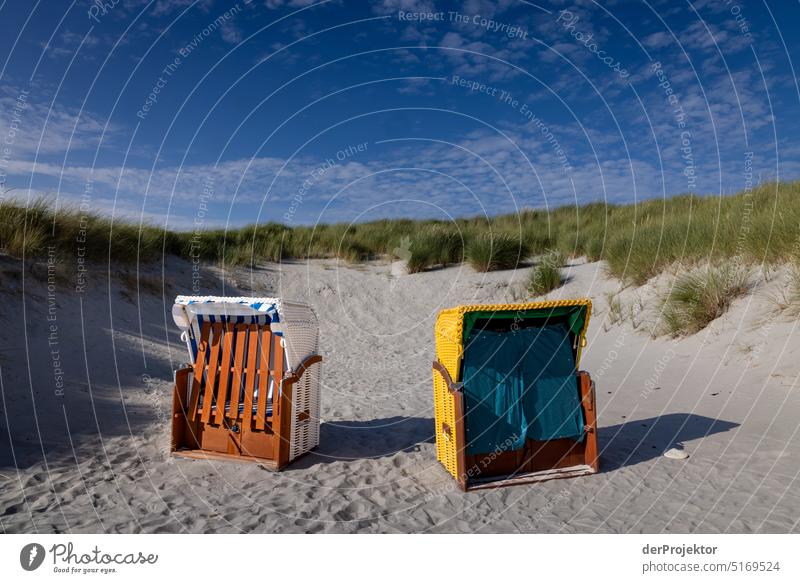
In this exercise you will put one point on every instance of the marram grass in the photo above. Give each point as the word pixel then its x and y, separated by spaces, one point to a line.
pixel 638 241
pixel 702 295
pixel 546 274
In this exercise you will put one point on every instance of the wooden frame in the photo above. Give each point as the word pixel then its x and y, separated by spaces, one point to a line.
pixel 220 405
pixel 537 461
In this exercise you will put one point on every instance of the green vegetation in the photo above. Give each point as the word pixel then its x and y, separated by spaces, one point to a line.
pixel 788 299
pixel 637 241
pixel 546 275
pixel 433 246
pixel 490 252
pixel 28 232
pixel 615 311
pixel 793 289
pixel 700 296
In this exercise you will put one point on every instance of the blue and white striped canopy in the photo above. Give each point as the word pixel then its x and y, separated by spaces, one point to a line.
pixel 190 312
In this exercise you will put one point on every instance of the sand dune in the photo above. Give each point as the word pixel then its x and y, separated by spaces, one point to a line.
pixel 96 458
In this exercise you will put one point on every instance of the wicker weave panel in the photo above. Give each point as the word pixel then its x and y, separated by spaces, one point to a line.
pixel 448 351
pixel 302 340
pixel 305 433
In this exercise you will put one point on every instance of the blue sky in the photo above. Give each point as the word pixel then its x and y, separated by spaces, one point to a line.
pixel 212 113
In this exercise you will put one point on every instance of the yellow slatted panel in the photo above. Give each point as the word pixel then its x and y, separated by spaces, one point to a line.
pixel 449 350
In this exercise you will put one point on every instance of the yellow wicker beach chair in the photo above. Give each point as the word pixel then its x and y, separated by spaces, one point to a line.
pixel 511 405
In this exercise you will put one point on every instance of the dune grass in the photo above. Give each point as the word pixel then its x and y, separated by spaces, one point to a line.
pixel 544 278
pixel 788 298
pixel 434 246
pixel 29 232
pixel 490 252
pixel 698 297
pixel 793 289
pixel 546 275
pixel 637 241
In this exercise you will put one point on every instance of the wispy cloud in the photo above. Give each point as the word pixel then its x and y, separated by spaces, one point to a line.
pixel 49 129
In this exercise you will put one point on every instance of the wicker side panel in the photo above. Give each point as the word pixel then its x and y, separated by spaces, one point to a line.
pixel 301 332
pixel 444 411
pixel 448 351
pixel 305 412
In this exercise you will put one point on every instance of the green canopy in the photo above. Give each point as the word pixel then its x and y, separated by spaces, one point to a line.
pixel 575 315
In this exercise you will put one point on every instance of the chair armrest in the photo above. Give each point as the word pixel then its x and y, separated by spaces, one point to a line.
pixel 183 369
pixel 294 376
pixel 182 388
pixel 451 386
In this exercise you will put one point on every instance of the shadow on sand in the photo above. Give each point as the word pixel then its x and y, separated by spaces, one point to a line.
pixel 353 440
pixel 635 442
pixel 621 445
pixel 89 367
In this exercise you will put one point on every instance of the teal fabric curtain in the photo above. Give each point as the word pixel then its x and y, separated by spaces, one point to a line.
pixel 520 385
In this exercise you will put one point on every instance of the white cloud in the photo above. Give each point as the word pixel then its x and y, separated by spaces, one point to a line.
pixel 390 6
pixel 658 40
pixel 231 33
pixel 48 131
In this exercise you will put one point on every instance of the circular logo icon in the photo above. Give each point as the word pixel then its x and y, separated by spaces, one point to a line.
pixel 31 556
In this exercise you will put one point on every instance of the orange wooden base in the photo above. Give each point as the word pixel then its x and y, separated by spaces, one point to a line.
pixel 232 439
pixel 201 431
pixel 199 454
pixel 530 477
pixel 536 461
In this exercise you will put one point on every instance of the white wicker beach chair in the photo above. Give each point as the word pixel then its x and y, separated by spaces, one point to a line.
pixel 234 399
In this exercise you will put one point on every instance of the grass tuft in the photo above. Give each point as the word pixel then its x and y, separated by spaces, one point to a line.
pixel 701 296
pixel 616 314
pixel 491 252
pixel 545 277
pixel 435 246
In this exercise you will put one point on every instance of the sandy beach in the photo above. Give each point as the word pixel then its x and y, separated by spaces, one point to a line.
pixel 87 382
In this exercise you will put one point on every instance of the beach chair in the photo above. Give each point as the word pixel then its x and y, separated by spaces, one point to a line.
pixel 511 405
pixel 251 390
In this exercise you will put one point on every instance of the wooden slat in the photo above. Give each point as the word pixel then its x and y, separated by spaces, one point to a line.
pixel 277 375
pixel 238 362
pixel 250 378
pixel 263 378
pixel 211 377
pixel 225 373
pixel 199 368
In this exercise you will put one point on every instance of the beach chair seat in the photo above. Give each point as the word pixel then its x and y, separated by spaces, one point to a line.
pixel 247 395
pixel 511 405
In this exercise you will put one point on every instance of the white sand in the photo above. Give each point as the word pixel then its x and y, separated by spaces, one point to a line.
pixel 97 459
